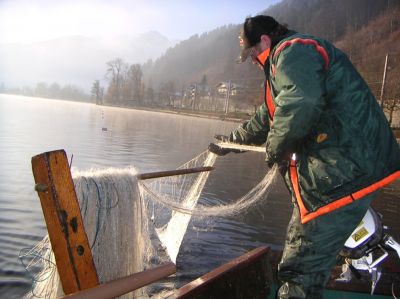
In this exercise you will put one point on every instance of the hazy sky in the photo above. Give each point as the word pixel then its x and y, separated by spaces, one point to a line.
pixel 34 20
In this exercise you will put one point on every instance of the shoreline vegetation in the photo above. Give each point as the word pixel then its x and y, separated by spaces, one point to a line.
pixel 231 116
pixel 237 117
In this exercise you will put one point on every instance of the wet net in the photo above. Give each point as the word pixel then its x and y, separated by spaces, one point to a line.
pixel 175 200
pixel 133 225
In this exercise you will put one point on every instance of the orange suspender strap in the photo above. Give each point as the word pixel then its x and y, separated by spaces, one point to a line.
pixel 319 49
pixel 268 98
pixel 307 216
pixel 268 101
pixel 296 188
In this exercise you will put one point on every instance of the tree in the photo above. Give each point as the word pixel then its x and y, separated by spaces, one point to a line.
pixel 391 102
pixel 391 105
pixel 203 86
pixel 72 92
pixel 97 92
pixel 149 93
pixel 41 89
pixel 134 77
pixel 167 92
pixel 54 91
pixel 203 81
pixel 142 92
pixel 115 74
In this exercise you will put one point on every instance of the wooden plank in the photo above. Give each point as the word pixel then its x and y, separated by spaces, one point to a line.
pixel 161 174
pixel 126 284
pixel 64 221
pixel 244 277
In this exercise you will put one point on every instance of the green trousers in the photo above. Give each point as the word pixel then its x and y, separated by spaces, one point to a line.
pixel 311 249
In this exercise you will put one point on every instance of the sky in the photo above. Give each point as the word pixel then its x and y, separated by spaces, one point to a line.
pixel 27 21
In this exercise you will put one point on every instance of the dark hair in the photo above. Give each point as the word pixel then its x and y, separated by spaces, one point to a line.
pixel 256 26
pixel 252 30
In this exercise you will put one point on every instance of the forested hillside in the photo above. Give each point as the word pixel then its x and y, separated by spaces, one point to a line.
pixel 196 68
pixel 373 49
pixel 214 53
pixel 330 19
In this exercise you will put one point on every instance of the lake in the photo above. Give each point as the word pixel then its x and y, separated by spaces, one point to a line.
pixel 101 137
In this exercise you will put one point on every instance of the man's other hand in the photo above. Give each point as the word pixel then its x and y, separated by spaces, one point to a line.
pixel 222 138
pixel 214 148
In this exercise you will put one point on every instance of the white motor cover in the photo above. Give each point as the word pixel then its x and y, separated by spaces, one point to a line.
pixel 364 230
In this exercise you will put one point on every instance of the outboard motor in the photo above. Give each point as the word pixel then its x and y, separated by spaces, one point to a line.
pixel 366 249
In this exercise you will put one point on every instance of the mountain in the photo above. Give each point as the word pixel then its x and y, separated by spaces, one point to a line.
pixel 213 54
pixel 74 60
pixel 330 19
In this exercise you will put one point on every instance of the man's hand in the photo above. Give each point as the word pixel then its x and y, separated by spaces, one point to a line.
pixel 222 138
pixel 214 148
pixel 270 160
pixel 270 164
pixel 232 138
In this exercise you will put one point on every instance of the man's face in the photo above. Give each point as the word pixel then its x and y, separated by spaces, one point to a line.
pixel 255 51
pixel 263 45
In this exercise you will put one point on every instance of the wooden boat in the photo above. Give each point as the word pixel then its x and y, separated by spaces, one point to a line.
pixel 251 275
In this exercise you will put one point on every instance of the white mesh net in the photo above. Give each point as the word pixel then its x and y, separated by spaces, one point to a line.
pixel 134 225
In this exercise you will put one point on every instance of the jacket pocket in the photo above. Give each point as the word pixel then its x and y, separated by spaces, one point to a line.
pixel 328 173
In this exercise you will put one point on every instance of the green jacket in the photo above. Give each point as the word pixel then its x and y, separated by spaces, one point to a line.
pixel 322 110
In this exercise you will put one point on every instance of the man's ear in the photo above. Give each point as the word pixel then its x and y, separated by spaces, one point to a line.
pixel 266 40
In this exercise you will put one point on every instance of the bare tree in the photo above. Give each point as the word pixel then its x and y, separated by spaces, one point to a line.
pixel 97 92
pixel 167 91
pixel 54 90
pixel 134 77
pixel 149 93
pixel 41 89
pixel 116 69
pixel 392 106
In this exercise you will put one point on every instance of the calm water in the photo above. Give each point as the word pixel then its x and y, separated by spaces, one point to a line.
pixel 149 141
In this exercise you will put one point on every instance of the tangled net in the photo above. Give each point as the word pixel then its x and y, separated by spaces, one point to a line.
pixel 136 224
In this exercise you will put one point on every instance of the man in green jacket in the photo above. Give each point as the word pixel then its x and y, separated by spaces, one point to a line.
pixel 325 129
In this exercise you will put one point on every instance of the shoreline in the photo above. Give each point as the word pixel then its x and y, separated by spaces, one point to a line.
pixel 200 114
pixel 204 114
pixel 208 115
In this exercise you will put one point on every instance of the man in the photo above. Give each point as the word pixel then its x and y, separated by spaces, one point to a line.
pixel 332 142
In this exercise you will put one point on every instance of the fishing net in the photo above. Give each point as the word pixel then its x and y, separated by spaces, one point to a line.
pixel 175 200
pixel 133 225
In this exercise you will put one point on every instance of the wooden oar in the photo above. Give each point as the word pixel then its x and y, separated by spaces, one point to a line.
pixel 161 174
